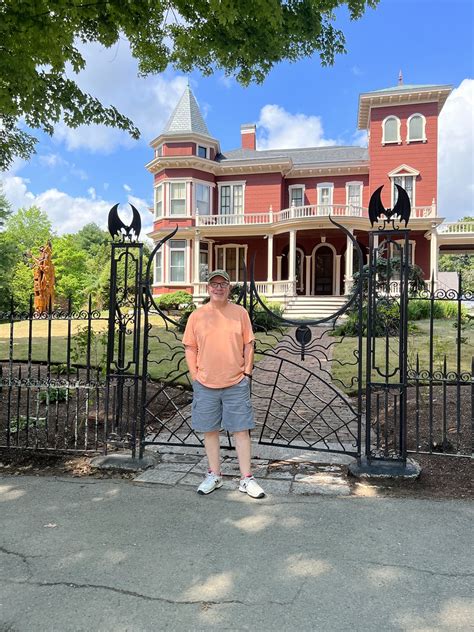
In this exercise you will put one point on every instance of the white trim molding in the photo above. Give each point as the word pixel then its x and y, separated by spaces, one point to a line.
pixel 398 140
pixel 325 185
pixel 423 129
pixel 354 183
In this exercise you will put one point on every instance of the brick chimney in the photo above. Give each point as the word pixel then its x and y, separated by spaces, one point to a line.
pixel 248 133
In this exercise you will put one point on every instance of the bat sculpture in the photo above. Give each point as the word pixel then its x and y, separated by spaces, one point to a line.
pixel 401 209
pixel 118 229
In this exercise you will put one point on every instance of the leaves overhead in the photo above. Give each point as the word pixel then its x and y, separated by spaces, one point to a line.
pixel 40 44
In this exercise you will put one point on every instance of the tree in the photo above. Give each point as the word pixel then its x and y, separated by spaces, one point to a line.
pixel 6 255
pixel 27 230
pixel 70 265
pixel 39 44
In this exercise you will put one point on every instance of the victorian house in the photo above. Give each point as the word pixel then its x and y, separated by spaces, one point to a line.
pixel 230 206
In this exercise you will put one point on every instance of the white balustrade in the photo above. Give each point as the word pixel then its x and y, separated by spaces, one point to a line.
pixel 456 227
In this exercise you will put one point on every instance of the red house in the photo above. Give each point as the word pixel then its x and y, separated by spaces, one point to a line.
pixel 232 205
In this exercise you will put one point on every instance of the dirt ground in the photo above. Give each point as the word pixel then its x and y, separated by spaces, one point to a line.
pixel 442 477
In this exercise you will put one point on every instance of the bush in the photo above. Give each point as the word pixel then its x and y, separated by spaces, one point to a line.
pixel 420 309
pixel 175 300
pixel 266 321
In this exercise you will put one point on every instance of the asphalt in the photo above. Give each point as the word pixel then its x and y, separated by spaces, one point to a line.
pixel 90 554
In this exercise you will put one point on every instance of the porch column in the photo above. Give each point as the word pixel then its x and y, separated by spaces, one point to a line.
pixel 196 246
pixel 292 260
pixel 308 274
pixel 337 284
pixel 270 264
pixel 279 268
pixel 434 253
pixel 348 267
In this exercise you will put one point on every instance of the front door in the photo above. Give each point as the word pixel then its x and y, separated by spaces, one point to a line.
pixel 323 271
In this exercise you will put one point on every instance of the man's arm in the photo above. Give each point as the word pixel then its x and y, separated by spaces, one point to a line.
pixel 248 358
pixel 190 354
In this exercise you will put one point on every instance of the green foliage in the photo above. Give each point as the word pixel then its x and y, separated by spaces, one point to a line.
pixel 175 300
pixel 21 286
pixel 40 51
pixel 53 395
pixel 7 255
pixel 98 347
pixel 28 229
pixel 420 309
pixel 263 321
pixel 70 265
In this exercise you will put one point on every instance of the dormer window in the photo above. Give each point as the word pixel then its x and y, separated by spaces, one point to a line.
pixel 416 125
pixel 391 130
pixel 202 151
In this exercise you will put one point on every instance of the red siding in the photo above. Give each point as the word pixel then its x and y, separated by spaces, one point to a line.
pixel 421 156
pixel 179 149
pixel 339 188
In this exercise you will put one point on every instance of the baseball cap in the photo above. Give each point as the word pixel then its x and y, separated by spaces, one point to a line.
pixel 221 273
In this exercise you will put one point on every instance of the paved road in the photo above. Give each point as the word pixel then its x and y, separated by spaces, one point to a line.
pixel 86 555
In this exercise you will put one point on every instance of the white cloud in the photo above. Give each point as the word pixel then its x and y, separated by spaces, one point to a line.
pixel 69 214
pixel 226 81
pixel 456 153
pixel 111 76
pixel 357 71
pixel 279 129
pixel 50 160
pixel 127 188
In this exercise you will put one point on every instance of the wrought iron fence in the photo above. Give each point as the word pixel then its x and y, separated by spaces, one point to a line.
pixel 52 379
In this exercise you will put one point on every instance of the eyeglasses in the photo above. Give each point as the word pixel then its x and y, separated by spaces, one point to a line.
pixel 215 285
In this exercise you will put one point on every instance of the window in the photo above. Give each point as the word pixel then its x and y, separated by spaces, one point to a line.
pixel 159 151
pixel 178 198
pixel 231 199
pixel 296 195
pixel 231 258
pixel 325 191
pixel 158 267
pixel 159 201
pixel 203 261
pixel 407 182
pixel 202 151
pixel 416 128
pixel 391 130
pixel 177 252
pixel 203 197
pixel 354 194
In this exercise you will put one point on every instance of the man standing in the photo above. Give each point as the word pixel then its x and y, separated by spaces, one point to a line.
pixel 218 343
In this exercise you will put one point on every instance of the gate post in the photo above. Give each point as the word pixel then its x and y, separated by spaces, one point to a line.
pixel 124 333
pixel 386 348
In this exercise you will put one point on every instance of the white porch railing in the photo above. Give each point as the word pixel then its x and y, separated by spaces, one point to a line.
pixel 264 288
pixel 456 227
pixel 298 212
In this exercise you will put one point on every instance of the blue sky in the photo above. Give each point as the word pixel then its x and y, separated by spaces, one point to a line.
pixel 78 174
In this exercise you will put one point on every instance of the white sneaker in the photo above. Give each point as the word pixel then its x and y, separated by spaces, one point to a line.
pixel 210 483
pixel 250 486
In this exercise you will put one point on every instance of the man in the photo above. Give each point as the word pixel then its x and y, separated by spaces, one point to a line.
pixel 219 351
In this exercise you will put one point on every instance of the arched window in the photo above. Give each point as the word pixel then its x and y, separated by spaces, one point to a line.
pixel 416 128
pixel 391 130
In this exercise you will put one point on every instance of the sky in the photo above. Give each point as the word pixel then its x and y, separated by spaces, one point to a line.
pixel 77 175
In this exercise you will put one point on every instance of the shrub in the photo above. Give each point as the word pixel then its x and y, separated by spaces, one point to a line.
pixel 53 395
pixel 420 309
pixel 175 300
pixel 266 321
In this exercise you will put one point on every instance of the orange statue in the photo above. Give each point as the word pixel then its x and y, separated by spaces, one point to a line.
pixel 43 279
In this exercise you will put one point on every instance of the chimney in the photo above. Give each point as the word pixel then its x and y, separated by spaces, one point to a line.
pixel 248 133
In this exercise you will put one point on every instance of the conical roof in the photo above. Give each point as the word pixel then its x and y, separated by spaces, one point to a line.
pixel 186 117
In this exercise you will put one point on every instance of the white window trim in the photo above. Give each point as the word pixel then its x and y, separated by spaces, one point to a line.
pixel 207 148
pixel 156 280
pixel 186 182
pixel 157 151
pixel 403 175
pixel 187 256
pixel 423 131
pixel 231 183
pixel 296 186
pixel 224 247
pixel 354 184
pixel 398 141
pixel 325 185
pixel 205 183
pixel 158 186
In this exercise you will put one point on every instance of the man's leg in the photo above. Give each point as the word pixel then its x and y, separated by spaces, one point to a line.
pixel 213 450
pixel 243 448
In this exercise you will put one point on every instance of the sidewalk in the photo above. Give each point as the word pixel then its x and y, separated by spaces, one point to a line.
pixel 87 555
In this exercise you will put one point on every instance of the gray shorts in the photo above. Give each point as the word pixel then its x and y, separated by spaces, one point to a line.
pixel 228 408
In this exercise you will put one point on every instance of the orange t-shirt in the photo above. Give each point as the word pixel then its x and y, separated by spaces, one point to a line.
pixel 219 335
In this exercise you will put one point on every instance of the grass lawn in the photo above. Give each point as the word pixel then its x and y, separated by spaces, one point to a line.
pixel 444 345
pixel 166 359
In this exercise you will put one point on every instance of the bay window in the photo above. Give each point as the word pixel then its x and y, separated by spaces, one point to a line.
pixel 177 260
pixel 159 201
pixel 177 198
pixel 158 267
pixel 203 198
